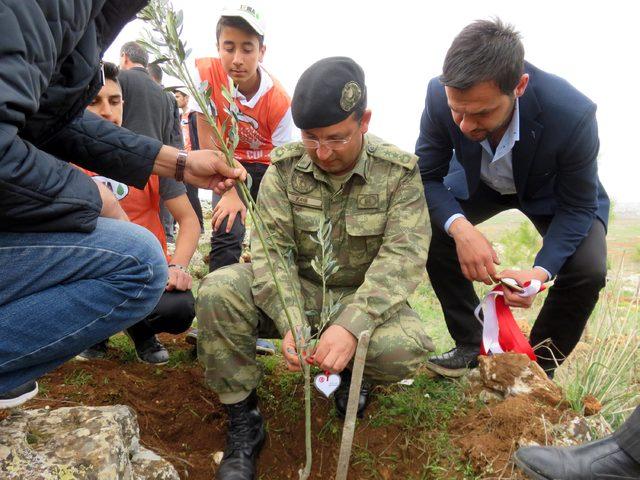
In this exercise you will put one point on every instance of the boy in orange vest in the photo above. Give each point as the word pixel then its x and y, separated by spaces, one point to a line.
pixel 175 310
pixel 264 123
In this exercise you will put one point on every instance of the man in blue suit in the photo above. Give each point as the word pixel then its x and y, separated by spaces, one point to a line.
pixel 498 133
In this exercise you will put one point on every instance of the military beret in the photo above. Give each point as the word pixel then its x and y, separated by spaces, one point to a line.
pixel 328 92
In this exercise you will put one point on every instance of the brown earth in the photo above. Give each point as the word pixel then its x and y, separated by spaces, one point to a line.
pixel 182 420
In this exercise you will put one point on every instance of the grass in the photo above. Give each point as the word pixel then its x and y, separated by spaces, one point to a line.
pixel 79 378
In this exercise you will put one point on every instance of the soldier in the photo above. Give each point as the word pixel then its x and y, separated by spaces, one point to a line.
pixel 371 192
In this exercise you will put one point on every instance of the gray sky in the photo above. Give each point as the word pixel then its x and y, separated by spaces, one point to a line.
pixel 401 45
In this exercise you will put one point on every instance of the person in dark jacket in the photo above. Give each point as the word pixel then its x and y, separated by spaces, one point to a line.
pixel 72 272
pixel 498 133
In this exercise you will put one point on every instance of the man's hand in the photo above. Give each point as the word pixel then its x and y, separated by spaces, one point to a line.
pixel 511 297
pixel 476 255
pixel 290 352
pixel 110 206
pixel 230 206
pixel 335 349
pixel 178 280
pixel 209 169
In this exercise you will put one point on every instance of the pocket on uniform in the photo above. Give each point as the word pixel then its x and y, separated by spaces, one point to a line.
pixel 305 226
pixel 365 231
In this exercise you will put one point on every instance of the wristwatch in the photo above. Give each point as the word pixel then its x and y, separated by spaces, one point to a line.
pixel 181 163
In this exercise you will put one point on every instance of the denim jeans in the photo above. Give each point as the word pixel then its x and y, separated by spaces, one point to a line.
pixel 64 292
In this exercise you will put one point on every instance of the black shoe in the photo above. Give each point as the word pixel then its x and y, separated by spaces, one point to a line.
pixel 192 337
pixel 602 459
pixel 341 395
pixel 245 437
pixel 456 362
pixel 150 350
pixel 97 352
pixel 18 395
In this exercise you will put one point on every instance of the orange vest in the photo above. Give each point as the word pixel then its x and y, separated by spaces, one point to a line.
pixel 256 124
pixel 141 206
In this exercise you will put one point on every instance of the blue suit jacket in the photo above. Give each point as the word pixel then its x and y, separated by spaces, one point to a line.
pixel 554 162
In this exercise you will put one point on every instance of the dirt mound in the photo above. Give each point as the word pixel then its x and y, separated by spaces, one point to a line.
pixel 523 404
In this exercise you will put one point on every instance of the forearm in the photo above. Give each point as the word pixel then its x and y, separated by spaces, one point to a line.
pixel 187 240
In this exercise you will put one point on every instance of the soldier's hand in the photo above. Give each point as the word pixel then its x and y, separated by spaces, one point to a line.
pixel 335 349
pixel 476 255
pixel 290 353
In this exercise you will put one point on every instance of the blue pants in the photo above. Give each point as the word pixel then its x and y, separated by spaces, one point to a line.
pixel 64 292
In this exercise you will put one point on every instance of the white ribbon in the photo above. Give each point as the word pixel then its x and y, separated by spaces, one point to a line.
pixel 490 329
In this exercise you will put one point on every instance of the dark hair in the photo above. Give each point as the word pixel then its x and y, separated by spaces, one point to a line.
pixel 155 71
pixel 486 50
pixel 239 23
pixel 111 71
pixel 135 52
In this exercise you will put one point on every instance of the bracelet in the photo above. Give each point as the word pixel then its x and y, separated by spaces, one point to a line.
pixel 179 267
pixel 181 163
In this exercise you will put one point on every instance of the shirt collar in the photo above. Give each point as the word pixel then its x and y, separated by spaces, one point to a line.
pixel 509 138
pixel 265 85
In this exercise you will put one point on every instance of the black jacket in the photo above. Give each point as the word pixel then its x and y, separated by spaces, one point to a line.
pixel 50 53
pixel 148 109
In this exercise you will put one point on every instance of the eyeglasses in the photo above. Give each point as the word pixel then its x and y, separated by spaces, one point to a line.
pixel 330 144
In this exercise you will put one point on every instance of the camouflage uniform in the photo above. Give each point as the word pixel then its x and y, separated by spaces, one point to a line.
pixel 380 236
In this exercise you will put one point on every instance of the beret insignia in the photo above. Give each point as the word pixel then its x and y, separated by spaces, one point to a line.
pixel 351 95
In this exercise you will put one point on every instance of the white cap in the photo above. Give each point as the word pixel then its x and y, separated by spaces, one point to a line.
pixel 247 13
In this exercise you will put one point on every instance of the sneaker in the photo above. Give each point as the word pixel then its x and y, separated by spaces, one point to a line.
pixel 192 337
pixel 456 362
pixel 97 352
pixel 152 351
pixel 18 395
pixel 265 347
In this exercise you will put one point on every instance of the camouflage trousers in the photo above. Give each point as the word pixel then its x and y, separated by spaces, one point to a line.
pixel 229 323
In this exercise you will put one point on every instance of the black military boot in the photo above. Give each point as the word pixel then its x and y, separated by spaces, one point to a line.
pixel 341 396
pixel 245 436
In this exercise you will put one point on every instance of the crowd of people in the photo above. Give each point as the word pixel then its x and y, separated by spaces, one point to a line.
pixel 99 163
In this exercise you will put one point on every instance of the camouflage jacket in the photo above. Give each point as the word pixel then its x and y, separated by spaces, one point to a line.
pixel 380 232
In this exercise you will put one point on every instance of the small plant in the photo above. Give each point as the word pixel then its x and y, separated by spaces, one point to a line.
pixel 520 246
pixel 78 378
pixel 608 366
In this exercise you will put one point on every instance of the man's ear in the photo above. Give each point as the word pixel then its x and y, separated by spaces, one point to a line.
pixel 263 49
pixel 522 85
pixel 364 121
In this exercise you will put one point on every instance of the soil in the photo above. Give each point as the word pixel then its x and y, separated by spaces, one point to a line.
pixel 182 420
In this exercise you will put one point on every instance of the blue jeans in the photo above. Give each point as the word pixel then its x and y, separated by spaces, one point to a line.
pixel 64 292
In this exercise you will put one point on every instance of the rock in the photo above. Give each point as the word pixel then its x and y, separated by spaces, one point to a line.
pixel 514 374
pixel 77 443
pixel 591 405
pixel 578 430
pixel 217 457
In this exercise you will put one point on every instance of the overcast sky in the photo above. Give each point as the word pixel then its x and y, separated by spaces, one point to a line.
pixel 401 45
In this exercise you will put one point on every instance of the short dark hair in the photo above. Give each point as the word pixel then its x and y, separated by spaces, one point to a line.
pixel 485 50
pixel 135 52
pixel 155 71
pixel 239 23
pixel 111 71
